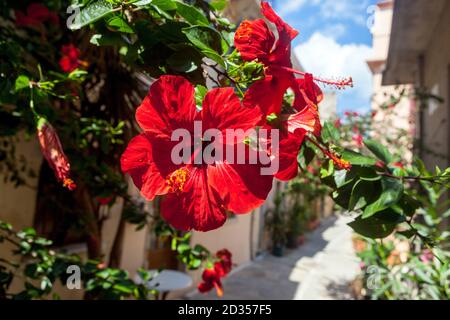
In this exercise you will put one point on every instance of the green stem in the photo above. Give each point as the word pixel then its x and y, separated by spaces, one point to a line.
pixel 36 115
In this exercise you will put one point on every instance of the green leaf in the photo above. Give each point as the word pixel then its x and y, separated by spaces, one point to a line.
pixel 183 248
pixel 379 226
pixel 366 173
pixel 182 62
pixel 363 193
pixel 380 151
pixel 330 132
pixel 110 39
pixel 392 191
pixel 123 288
pixel 91 13
pixel 357 159
pixel 218 5
pixel 165 5
pixel 200 93
pixel 22 82
pixel 120 25
pixel 207 40
pixel 191 14
pixel 142 3
pixel 342 195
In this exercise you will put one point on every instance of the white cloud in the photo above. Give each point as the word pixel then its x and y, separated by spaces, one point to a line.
pixel 324 57
pixel 337 30
pixel 354 10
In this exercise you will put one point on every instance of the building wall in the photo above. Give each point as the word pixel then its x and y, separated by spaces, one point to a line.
pixel 399 118
pixel 17 204
pixel 436 80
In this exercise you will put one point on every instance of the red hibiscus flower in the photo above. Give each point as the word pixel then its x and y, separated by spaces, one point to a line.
pixel 198 195
pixel 36 14
pixel 211 279
pixel 54 154
pixel 255 41
pixel 212 276
pixel 292 125
pixel 224 265
pixel 70 59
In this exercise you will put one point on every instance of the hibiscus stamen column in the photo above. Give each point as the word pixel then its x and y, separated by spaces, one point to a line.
pixel 340 84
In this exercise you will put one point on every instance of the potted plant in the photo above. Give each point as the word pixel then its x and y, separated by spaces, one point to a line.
pixel 276 225
pixel 295 235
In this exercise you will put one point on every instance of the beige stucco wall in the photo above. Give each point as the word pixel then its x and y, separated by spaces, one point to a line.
pixel 17 205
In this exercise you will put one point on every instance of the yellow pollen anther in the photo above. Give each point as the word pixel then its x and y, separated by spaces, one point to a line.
pixel 177 179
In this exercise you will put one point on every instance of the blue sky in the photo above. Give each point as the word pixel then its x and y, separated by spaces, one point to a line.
pixel 334 41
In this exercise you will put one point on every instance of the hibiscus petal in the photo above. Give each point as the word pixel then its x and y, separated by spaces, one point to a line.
pixel 281 55
pixel 307 119
pixel 254 40
pixel 307 93
pixel 198 207
pixel 242 186
pixel 169 105
pixel 282 27
pixel 137 161
pixel 287 157
pixel 267 94
pixel 223 110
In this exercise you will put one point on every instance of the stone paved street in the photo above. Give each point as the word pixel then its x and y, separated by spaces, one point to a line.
pixel 320 269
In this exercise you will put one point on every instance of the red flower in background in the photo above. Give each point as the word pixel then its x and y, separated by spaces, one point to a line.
pixel 212 276
pixel 104 200
pixel 211 279
pixel 224 265
pixel 54 154
pixel 198 195
pixel 398 165
pixel 36 14
pixel 358 139
pixel 70 59
pixel 337 123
